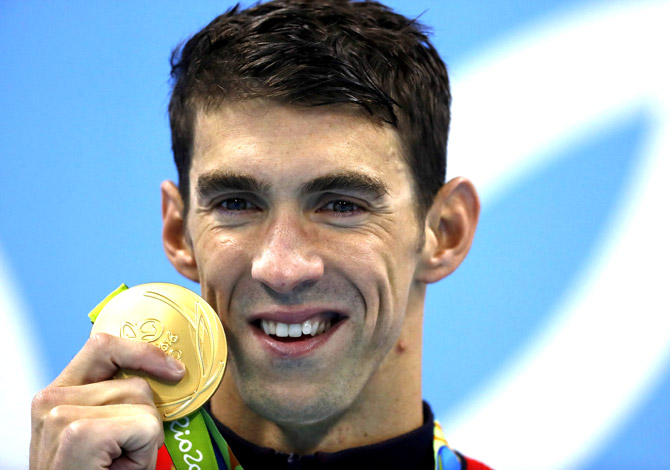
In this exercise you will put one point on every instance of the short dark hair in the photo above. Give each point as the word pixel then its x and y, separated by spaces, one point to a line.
pixel 316 53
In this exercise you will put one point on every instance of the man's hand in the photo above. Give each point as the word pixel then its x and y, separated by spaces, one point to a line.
pixel 87 420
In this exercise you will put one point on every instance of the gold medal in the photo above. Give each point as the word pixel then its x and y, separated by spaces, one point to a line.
pixel 183 325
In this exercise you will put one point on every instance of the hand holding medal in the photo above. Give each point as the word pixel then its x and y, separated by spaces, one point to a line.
pixel 87 419
pixel 185 327
pixel 180 323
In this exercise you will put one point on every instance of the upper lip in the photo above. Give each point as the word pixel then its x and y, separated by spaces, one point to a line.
pixel 292 315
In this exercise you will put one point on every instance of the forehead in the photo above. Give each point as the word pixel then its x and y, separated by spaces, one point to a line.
pixel 269 139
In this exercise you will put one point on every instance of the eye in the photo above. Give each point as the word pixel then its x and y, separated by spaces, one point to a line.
pixel 342 206
pixel 237 204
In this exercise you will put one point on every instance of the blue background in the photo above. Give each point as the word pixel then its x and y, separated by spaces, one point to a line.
pixel 85 143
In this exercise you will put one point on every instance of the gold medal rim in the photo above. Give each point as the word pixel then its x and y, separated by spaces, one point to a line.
pixel 206 388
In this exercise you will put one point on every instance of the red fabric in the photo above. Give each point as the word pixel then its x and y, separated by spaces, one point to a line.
pixel 472 464
pixel 164 461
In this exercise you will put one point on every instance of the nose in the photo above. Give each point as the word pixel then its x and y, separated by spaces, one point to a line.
pixel 288 257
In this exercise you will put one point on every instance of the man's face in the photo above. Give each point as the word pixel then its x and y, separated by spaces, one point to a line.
pixel 303 227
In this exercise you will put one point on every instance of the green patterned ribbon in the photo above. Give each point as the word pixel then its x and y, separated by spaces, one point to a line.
pixel 188 443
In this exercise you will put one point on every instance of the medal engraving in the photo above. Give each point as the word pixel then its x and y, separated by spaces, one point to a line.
pixel 181 324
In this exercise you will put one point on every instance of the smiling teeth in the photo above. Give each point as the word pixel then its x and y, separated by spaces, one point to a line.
pixel 295 330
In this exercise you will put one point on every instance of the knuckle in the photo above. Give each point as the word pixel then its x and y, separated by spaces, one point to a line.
pixel 151 349
pixel 75 431
pixel 142 389
pixel 159 417
pixel 159 432
pixel 42 402
pixel 99 341
pixel 58 417
pixel 153 426
pixel 153 420
pixel 43 399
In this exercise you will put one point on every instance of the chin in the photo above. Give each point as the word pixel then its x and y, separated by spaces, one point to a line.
pixel 299 406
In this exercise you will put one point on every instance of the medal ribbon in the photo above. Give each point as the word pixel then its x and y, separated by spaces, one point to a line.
pixel 445 458
pixel 93 314
pixel 189 444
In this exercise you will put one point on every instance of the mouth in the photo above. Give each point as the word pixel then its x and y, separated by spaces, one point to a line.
pixel 298 330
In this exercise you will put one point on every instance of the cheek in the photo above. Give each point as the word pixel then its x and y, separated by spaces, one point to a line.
pixel 221 259
pixel 382 270
pixel 215 249
pixel 396 261
pixel 391 255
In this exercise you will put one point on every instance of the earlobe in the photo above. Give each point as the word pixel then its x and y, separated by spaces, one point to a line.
pixel 450 229
pixel 175 241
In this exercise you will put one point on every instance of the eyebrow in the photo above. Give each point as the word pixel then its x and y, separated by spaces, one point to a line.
pixel 215 182
pixel 349 181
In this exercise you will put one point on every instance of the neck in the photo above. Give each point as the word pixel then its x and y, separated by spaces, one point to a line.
pixel 389 405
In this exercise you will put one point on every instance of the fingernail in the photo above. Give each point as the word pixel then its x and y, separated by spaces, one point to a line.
pixel 175 364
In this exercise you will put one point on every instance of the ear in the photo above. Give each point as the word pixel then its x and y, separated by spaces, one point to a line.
pixel 176 243
pixel 450 227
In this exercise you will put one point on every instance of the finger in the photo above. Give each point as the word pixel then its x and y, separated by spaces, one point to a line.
pixel 63 416
pixel 125 463
pixel 129 442
pixel 133 391
pixel 103 355
pixel 52 408
pixel 64 434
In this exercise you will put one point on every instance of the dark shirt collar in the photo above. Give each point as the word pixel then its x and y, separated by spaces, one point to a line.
pixel 413 450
